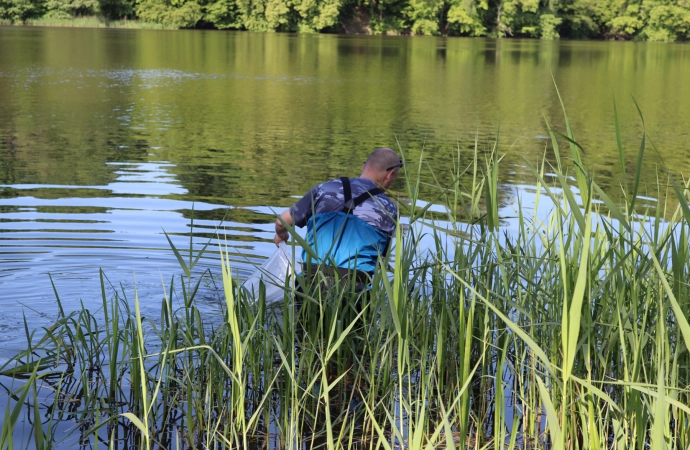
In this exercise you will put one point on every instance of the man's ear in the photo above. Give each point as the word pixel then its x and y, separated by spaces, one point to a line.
pixel 389 178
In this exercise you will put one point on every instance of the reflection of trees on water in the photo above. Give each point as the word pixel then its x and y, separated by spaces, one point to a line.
pixel 256 119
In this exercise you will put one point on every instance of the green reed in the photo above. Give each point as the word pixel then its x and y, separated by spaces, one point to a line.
pixel 570 334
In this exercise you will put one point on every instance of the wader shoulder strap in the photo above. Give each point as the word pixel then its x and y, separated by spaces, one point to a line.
pixel 350 203
pixel 347 191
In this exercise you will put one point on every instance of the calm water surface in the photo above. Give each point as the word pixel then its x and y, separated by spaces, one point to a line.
pixel 109 137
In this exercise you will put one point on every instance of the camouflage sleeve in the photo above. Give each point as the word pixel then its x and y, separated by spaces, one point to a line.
pixel 302 210
pixel 389 217
pixel 394 215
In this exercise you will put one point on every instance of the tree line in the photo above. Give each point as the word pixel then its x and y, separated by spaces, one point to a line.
pixel 653 20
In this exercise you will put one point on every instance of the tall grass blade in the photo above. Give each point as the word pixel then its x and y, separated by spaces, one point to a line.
pixel 682 321
pixel 575 313
pixel 183 264
pixel 638 165
pixel 580 174
pixel 619 142
pixel 11 416
pixel 551 416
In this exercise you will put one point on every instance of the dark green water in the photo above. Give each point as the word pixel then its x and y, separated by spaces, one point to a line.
pixel 108 136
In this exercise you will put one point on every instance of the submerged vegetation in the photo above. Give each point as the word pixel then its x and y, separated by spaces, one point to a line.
pixel 570 334
pixel 654 20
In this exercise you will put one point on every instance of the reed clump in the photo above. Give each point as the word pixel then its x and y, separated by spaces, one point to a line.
pixel 93 22
pixel 570 334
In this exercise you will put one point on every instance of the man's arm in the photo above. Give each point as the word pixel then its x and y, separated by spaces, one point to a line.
pixel 297 215
pixel 282 234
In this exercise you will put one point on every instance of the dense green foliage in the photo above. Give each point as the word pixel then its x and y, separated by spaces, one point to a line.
pixel 655 20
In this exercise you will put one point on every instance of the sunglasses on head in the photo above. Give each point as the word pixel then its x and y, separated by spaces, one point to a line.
pixel 400 164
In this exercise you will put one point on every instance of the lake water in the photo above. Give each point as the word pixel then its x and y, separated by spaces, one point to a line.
pixel 110 137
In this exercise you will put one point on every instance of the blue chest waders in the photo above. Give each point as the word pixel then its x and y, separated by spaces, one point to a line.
pixel 343 241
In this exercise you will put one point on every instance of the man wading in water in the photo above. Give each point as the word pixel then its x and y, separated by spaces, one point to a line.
pixel 350 222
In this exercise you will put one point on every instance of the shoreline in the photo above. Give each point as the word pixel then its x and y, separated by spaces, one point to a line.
pixel 89 22
pixel 135 24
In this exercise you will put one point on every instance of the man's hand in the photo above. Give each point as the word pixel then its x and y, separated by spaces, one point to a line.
pixel 282 237
pixel 282 234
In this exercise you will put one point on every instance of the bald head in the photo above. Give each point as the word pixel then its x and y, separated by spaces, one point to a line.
pixel 382 166
pixel 380 159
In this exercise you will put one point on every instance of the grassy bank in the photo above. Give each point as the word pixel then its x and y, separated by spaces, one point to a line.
pixel 92 22
pixel 571 334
